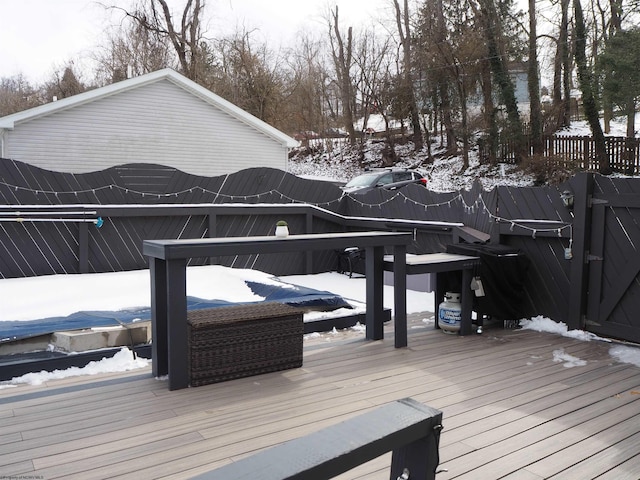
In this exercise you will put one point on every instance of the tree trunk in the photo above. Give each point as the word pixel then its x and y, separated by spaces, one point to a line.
pixel 156 18
pixel 491 125
pixel 501 74
pixel 630 147
pixel 588 95
pixel 342 60
pixel 402 20
pixel 447 122
pixel 442 91
pixel 566 65
pixel 534 83
pixel 615 26
pixel 465 125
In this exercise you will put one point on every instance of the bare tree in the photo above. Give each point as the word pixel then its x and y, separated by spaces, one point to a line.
pixel 434 61
pixel 587 86
pixel 63 83
pixel 17 94
pixel 533 77
pixel 185 37
pixel 494 36
pixel 562 70
pixel 132 51
pixel 404 32
pixel 376 86
pixel 249 76
pixel 342 54
pixel 310 106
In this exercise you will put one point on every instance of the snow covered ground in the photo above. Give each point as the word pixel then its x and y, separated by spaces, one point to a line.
pixel 337 163
pixel 33 298
pixel 61 295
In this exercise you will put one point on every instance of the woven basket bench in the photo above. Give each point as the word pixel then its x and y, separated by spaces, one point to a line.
pixel 243 340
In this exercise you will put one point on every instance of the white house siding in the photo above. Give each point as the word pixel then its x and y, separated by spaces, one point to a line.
pixel 156 123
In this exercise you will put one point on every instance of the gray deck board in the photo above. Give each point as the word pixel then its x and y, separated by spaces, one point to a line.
pixel 509 410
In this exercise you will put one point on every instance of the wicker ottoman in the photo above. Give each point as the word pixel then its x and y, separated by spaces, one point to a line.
pixel 243 340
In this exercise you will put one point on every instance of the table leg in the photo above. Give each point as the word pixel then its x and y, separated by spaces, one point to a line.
pixel 177 324
pixel 159 349
pixel 374 317
pixel 467 303
pixel 439 292
pixel 400 295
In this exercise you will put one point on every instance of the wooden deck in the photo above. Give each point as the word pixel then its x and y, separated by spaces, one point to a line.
pixel 510 411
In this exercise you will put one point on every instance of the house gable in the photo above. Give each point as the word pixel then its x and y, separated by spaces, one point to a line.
pixel 162 118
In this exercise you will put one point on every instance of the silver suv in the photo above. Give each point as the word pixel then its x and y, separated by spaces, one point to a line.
pixel 389 179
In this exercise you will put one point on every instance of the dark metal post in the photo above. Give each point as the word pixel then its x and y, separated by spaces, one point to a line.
pixel 374 294
pixel 400 295
pixel 177 325
pixel 439 292
pixel 83 245
pixel 308 256
pixel 212 231
pixel 421 457
pixel 159 347
pixel 466 302
pixel 578 278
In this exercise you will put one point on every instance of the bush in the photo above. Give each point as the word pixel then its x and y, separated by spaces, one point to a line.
pixel 549 170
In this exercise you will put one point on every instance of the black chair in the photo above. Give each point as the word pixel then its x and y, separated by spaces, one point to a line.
pixel 350 259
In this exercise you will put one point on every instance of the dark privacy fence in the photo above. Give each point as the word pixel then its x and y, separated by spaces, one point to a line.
pixel 75 223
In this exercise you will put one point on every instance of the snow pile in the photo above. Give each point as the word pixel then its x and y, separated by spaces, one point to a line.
pixel 624 354
pixel 542 324
pixel 621 353
pixel 123 361
pixel 569 361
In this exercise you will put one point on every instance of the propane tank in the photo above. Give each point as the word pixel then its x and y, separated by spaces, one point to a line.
pixel 450 313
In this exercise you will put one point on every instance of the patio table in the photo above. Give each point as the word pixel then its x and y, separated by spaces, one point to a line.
pixel 168 264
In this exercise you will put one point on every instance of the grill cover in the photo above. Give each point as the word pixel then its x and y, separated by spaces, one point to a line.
pixel 503 271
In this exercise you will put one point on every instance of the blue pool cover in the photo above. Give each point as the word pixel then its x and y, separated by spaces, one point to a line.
pixel 299 297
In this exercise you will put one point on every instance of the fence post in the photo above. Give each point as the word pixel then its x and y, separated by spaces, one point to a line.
pixel 212 231
pixel 309 254
pixel 578 273
pixel 83 248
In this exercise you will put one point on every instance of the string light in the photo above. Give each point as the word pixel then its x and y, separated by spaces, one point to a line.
pixel 227 197
pixel 471 207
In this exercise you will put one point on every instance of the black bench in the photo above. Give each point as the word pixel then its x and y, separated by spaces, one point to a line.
pixel 408 428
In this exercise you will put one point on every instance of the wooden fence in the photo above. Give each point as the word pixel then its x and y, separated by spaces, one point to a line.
pixel 49 224
pixel 577 151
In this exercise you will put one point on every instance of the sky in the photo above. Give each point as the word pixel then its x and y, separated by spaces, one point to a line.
pixel 130 289
pixel 39 36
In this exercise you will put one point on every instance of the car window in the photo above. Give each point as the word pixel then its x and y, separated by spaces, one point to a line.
pixel 401 176
pixel 384 179
pixel 365 180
